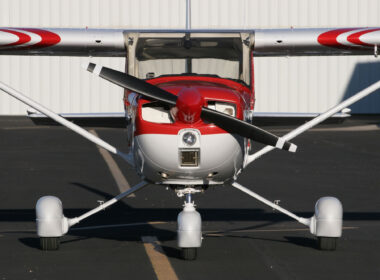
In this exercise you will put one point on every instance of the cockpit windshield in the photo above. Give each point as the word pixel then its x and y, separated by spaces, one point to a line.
pixel 220 56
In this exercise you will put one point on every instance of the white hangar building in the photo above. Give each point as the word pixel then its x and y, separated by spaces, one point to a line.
pixel 295 84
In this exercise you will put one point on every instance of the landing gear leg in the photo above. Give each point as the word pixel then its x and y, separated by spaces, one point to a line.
pixel 189 227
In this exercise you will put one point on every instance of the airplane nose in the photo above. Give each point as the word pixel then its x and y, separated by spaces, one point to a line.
pixel 189 105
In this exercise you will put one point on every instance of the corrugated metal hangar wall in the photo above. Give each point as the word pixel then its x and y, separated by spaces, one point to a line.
pixel 306 84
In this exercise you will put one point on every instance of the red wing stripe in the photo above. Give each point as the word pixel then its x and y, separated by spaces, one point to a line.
pixel 329 38
pixel 48 38
pixel 355 38
pixel 22 38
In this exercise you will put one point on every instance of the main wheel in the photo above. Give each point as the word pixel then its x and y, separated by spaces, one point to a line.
pixel 327 243
pixel 189 254
pixel 49 243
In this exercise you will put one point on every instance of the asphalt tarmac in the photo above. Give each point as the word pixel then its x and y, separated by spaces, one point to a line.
pixel 243 239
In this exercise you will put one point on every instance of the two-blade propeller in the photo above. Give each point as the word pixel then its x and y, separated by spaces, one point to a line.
pixel 226 122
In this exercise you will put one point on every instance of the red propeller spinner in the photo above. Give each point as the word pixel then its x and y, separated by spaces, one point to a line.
pixel 189 105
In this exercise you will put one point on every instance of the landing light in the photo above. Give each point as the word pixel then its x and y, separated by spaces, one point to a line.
pixel 163 175
pixel 189 138
pixel 210 175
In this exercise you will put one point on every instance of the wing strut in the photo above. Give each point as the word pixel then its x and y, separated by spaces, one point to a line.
pixel 301 129
pixel 77 129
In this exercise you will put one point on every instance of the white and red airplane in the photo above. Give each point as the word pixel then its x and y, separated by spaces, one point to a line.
pixel 189 100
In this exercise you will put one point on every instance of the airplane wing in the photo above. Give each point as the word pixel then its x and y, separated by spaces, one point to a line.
pixel 319 41
pixel 264 42
pixel 62 42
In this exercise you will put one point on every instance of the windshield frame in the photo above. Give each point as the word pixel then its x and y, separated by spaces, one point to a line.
pixel 232 47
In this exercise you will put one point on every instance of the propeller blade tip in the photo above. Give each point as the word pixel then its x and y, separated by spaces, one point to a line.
pixel 280 143
pixel 92 67
pixel 292 148
pixel 85 65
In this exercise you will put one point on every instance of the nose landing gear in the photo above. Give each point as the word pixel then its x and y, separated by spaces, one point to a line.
pixel 189 226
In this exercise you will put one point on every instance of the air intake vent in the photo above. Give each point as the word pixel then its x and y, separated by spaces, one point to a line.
pixel 189 158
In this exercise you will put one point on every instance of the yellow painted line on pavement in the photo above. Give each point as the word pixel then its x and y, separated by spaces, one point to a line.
pixel 120 180
pixel 160 262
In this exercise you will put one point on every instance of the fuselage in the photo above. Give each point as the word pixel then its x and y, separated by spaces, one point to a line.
pixel 171 150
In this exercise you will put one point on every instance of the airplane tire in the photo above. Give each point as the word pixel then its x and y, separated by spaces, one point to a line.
pixel 49 243
pixel 327 243
pixel 189 254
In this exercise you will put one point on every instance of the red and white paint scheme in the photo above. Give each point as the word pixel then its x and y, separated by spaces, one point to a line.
pixel 29 38
pixel 264 42
pixel 189 99
pixel 349 38
pixel 220 153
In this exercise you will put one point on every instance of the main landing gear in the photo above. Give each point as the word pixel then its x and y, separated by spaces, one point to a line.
pixel 52 224
pixel 326 223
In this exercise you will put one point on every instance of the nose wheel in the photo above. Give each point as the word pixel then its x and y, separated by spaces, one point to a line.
pixel 327 243
pixel 49 243
pixel 189 254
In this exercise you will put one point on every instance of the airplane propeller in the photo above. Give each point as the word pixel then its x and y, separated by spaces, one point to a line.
pixel 224 121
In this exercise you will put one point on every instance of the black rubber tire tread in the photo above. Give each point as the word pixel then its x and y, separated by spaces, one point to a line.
pixel 327 243
pixel 49 243
pixel 189 254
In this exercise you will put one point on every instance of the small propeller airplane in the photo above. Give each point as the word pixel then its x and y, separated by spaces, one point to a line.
pixel 189 99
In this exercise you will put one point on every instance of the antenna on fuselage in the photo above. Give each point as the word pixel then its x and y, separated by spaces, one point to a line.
pixel 188 14
pixel 187 41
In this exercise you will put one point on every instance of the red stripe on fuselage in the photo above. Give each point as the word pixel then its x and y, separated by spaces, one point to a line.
pixel 144 127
